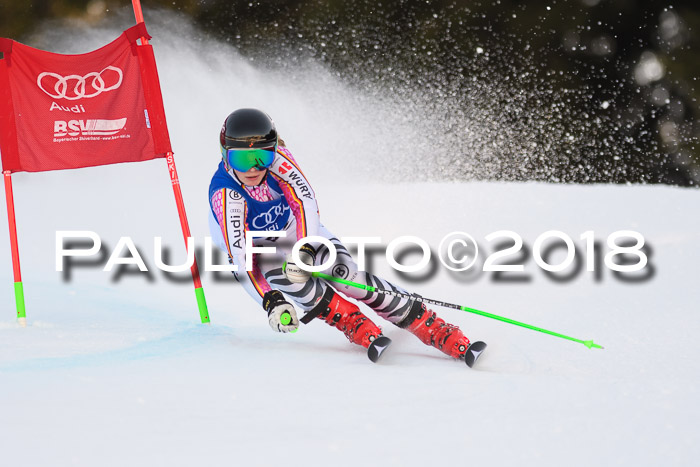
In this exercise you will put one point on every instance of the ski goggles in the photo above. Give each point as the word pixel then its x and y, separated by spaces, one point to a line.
pixel 244 159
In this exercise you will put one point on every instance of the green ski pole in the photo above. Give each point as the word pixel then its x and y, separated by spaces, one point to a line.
pixel 589 343
pixel 285 319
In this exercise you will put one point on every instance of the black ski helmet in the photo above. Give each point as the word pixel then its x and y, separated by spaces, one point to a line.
pixel 248 128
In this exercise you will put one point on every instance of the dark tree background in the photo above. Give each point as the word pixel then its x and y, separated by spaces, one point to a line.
pixel 624 72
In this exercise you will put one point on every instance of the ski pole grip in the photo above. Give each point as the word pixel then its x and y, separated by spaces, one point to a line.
pixel 285 319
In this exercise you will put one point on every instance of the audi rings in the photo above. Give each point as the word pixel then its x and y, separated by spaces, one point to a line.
pixel 64 88
pixel 269 217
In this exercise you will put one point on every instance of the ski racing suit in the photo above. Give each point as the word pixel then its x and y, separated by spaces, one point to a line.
pixel 285 201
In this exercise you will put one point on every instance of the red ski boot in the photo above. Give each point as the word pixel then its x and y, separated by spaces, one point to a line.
pixel 433 330
pixel 346 316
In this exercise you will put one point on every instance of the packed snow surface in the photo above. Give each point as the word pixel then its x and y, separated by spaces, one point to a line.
pixel 121 373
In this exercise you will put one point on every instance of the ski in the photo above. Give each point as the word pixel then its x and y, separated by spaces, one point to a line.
pixel 381 343
pixel 474 351
pixel 377 348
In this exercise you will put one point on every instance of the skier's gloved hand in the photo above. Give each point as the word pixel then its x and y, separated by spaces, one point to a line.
pixel 276 306
pixel 294 273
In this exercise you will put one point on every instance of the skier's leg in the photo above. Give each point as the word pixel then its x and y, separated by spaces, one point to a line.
pixel 346 316
pixel 392 309
pixel 305 295
pixel 433 330
pixel 320 300
pixel 405 313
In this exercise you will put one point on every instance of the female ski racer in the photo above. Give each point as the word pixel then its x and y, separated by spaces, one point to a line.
pixel 260 187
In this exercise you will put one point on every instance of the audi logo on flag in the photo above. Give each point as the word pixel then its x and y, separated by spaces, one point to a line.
pixel 74 87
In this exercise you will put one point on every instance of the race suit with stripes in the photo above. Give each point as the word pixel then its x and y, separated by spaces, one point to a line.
pixel 285 201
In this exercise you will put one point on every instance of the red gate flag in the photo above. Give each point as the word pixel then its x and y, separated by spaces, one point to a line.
pixel 69 111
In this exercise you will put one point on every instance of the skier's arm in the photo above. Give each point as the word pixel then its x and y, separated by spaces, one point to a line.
pixel 298 192
pixel 230 210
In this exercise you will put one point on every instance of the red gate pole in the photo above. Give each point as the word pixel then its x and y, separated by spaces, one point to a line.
pixel 198 290
pixel 139 15
pixel 19 289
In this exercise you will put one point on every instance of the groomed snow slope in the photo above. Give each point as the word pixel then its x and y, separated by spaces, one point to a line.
pixel 116 373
